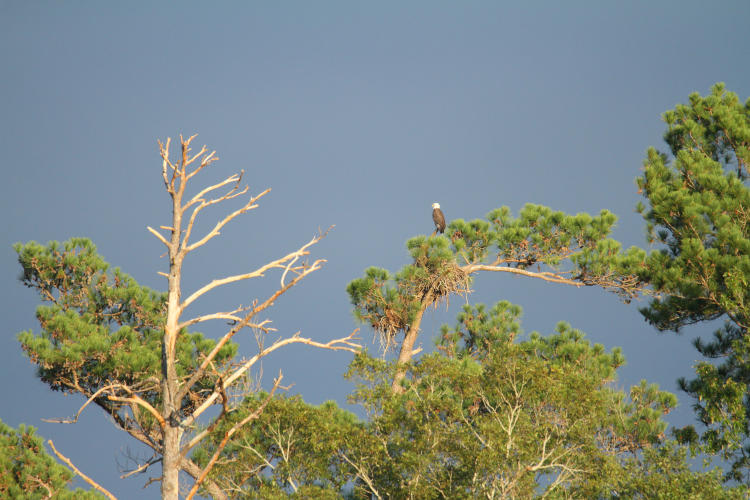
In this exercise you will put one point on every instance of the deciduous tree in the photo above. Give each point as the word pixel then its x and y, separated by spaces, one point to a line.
pixel 493 413
pixel 489 417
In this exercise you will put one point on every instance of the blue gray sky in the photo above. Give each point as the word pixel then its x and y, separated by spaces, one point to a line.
pixel 358 114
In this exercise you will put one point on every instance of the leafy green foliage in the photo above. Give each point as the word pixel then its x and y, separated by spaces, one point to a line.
pixel 489 418
pixel 293 450
pixel 28 471
pixel 698 210
pixel 101 333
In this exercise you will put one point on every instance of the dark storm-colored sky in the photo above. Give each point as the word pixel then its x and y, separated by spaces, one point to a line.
pixel 356 114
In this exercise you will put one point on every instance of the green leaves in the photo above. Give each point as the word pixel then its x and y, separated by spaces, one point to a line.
pixel 293 448
pixel 488 416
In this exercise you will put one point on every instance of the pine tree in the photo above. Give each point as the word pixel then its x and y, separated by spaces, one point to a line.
pixel 698 212
pixel 28 471
pixel 540 243
pixel 130 351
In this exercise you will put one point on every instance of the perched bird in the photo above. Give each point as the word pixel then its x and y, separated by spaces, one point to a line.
pixel 438 218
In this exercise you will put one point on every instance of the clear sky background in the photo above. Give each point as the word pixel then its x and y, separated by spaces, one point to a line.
pixel 358 114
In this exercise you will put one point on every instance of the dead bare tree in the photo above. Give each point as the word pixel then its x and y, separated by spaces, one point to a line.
pixel 293 268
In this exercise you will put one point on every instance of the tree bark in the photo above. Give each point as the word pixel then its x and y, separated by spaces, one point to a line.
pixel 407 347
pixel 195 472
pixel 171 460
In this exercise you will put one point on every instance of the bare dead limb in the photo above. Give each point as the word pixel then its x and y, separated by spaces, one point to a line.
pixel 164 152
pixel 254 415
pixel 215 231
pixel 276 264
pixel 363 475
pixel 43 485
pixel 342 344
pixel 224 315
pixel 231 194
pixel 136 399
pixel 199 197
pixel 158 235
pixel 205 161
pixel 242 324
pixel 80 410
pixel 543 275
pixel 93 483
pixel 142 468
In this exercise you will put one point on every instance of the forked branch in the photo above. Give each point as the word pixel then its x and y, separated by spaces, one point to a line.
pixel 242 324
pixel 276 264
pixel 215 231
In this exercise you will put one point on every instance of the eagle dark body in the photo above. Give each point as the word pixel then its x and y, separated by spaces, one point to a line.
pixel 438 218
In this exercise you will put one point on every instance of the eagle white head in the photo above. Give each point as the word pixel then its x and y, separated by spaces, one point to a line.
pixel 435 205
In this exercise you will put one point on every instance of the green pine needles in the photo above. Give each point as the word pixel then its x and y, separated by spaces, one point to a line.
pixel 698 209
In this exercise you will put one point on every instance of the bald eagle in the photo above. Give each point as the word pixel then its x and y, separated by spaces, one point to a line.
pixel 438 218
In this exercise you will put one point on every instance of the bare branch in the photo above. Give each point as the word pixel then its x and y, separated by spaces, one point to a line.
pixel 164 152
pixel 363 474
pixel 205 161
pixel 158 235
pixel 142 468
pixel 342 344
pixel 276 264
pixel 215 231
pixel 43 485
pixel 80 410
pixel 232 193
pixel 544 275
pixel 199 197
pixel 194 471
pixel 254 415
pixel 197 374
pixel 93 483
pixel 135 398
pixel 222 315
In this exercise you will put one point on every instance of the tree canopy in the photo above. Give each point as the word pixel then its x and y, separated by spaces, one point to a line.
pixel 539 243
pixel 697 209
pixel 493 413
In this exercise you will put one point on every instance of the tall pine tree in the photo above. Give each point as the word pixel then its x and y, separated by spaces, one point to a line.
pixel 698 211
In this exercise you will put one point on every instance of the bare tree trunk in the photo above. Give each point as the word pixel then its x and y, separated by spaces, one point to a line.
pixel 170 480
pixel 170 463
pixel 174 390
pixel 407 347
